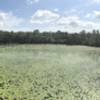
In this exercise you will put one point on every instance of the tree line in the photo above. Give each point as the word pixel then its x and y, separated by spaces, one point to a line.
pixel 37 37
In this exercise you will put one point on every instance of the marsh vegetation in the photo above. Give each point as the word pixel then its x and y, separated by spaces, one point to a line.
pixel 49 72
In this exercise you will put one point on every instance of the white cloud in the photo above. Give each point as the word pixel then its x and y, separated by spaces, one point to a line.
pixel 96 1
pixel 74 24
pixel 93 1
pixel 88 15
pixel 8 21
pixel 50 21
pixel 66 20
pixel 71 11
pixel 44 16
pixel 56 9
pixel 97 14
pixel 32 1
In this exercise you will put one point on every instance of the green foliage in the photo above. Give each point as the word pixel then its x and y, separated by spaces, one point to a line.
pixel 36 37
pixel 49 72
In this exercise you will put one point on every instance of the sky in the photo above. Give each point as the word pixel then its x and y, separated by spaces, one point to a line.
pixel 49 15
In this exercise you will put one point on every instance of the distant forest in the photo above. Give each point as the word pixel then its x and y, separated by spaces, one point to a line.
pixel 37 37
